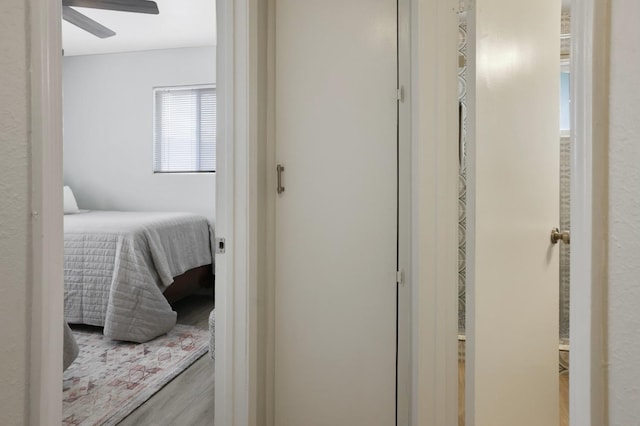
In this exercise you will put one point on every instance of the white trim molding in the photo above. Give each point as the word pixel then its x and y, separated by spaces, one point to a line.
pixel 433 97
pixel 47 291
pixel 589 211
pixel 231 396
pixel 224 269
pixel 405 300
pixel 239 367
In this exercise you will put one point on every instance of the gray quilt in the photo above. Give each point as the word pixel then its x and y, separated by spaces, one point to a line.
pixel 117 264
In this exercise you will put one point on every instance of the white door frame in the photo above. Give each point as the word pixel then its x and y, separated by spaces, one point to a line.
pixel 240 209
pixel 433 188
pixel 47 285
pixel 231 361
pixel 434 193
pixel 589 211
pixel 404 300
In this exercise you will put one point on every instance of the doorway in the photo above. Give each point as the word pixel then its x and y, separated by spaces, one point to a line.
pixel 140 110
pixel 509 194
pixel 564 211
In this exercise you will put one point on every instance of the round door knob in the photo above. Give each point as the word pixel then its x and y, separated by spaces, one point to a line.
pixel 563 236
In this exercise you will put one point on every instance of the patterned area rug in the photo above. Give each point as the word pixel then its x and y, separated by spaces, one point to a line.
pixel 110 379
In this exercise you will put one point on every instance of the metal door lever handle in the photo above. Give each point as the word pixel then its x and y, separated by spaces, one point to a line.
pixel 279 170
pixel 563 236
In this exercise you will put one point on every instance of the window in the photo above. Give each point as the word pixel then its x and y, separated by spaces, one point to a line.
pixel 184 129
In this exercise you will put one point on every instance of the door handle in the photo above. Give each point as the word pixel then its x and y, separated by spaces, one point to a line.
pixel 279 170
pixel 563 236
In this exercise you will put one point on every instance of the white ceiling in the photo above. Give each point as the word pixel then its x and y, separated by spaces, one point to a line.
pixel 181 23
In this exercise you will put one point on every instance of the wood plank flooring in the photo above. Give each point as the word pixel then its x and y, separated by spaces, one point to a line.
pixel 564 399
pixel 188 399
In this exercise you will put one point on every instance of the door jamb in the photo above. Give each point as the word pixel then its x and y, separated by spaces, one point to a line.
pixel 404 300
pixel 589 211
pixel 47 288
pixel 434 212
pixel 239 191
pixel 226 334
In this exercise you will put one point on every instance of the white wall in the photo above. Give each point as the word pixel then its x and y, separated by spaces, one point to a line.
pixel 624 216
pixel 15 223
pixel 108 130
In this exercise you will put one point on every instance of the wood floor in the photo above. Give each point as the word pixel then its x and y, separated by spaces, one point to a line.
pixel 188 399
pixel 563 400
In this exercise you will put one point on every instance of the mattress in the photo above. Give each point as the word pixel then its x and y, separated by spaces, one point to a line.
pixel 117 264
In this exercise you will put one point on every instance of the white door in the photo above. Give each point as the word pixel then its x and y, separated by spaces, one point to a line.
pixel 336 237
pixel 512 376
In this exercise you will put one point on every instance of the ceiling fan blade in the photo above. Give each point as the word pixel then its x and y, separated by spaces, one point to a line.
pixel 137 6
pixel 82 21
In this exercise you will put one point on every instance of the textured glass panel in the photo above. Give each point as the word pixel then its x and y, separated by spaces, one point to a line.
pixel 462 179
pixel 565 224
pixel 565 104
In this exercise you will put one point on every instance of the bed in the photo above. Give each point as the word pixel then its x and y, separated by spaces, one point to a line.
pixel 122 269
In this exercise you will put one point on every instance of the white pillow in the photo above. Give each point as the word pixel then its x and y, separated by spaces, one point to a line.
pixel 70 205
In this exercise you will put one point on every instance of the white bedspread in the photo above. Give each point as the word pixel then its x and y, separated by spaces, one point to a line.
pixel 117 264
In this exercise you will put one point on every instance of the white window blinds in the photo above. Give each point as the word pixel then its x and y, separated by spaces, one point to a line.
pixel 184 129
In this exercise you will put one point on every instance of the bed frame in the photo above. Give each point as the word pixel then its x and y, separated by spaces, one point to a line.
pixel 192 281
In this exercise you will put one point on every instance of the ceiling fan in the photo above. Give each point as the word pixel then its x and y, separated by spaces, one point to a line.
pixel 82 21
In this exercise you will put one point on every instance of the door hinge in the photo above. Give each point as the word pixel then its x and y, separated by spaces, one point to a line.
pixel 400 277
pixel 220 245
pixel 400 94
